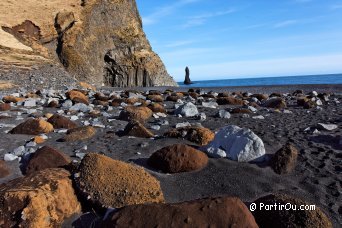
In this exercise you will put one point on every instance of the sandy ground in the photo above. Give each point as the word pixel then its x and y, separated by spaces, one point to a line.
pixel 316 178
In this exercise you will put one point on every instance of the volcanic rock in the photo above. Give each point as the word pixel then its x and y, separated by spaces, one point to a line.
pixel 289 218
pixel 59 121
pixel 235 143
pixel 3 169
pixel 33 127
pixel 155 98
pixel 155 107
pixel 211 212
pixel 229 101
pixel 187 80
pixel 77 97
pixel 13 99
pixel 47 157
pixel 134 128
pixel 326 127
pixel 275 103
pixel 140 114
pixel 285 159
pixel 199 135
pixel 5 107
pixel 42 199
pixel 79 133
pixel 178 158
pixel 110 183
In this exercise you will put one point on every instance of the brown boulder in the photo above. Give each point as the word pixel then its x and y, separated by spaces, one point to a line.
pixel 136 129
pixel 77 96
pixel 155 107
pixel 211 212
pixel 3 169
pixel 172 98
pixel 101 97
pixel 306 103
pixel 47 157
pixel 229 101
pixel 285 159
pixel 241 111
pixel 59 121
pixel 33 127
pixel 223 94
pixel 43 199
pixel 5 107
pixel 79 133
pixel 53 104
pixel 99 102
pixel 199 135
pixel 110 183
pixel 278 103
pixel 38 139
pixel 9 99
pixel 155 98
pixel 289 218
pixel 178 158
pixel 260 97
pixel 140 114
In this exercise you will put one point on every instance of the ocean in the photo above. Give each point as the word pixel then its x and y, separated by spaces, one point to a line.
pixel 287 80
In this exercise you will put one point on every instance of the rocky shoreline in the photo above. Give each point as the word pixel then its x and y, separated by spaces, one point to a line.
pixel 100 155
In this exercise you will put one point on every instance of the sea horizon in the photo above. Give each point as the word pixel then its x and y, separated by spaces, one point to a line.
pixel 271 80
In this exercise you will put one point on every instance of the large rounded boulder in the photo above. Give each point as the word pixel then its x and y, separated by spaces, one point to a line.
pixel 295 213
pixel 110 183
pixel 42 199
pixel 178 158
pixel 33 127
pixel 212 212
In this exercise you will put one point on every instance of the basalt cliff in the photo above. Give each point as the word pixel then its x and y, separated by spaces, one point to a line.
pixel 97 41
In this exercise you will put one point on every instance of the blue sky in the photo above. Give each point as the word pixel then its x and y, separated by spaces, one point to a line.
pixel 244 38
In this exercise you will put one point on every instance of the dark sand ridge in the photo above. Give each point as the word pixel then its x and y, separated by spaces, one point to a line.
pixel 317 176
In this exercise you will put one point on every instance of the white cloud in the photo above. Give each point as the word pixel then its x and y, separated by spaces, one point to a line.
pixel 304 65
pixel 201 19
pixel 165 11
pixel 285 23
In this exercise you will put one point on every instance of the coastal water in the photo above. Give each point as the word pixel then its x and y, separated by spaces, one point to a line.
pixel 288 80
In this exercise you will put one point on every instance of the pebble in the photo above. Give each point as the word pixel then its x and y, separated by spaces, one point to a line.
pixel 210 104
pixel 224 114
pixel 10 157
pixel 258 117
pixel 185 124
pixel 202 116
pixel 31 144
pixel 19 151
pixel 155 127
pixel 163 122
pixel 80 107
pixel 73 118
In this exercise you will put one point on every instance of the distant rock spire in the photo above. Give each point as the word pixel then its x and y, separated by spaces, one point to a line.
pixel 187 80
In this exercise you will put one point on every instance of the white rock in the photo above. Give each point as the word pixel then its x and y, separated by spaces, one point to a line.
pixel 224 114
pixel 239 144
pixel 187 110
pixel 80 155
pixel 80 107
pixel 62 131
pixel 319 102
pixel 210 104
pixel 258 117
pixel 160 114
pixel 327 127
pixel 287 111
pixel 19 151
pixel 155 127
pixel 245 115
pixel 31 144
pixel 67 104
pixel 252 109
pixel 185 124
pixel 30 103
pixel 73 118
pixel 10 157
pixel 163 122
pixel 60 112
pixel 201 116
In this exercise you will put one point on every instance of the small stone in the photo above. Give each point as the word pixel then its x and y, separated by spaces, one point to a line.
pixel 210 104
pixel 80 107
pixel 30 103
pixel 31 144
pixel 10 157
pixel 181 125
pixel 258 117
pixel 223 114
pixel 19 151
pixel 155 127
pixel 67 104
pixel 326 127
pixel 202 116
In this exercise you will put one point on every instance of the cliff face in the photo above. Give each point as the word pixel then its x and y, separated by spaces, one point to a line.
pixel 98 41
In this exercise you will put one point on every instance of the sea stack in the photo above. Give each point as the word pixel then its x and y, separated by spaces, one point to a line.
pixel 187 80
